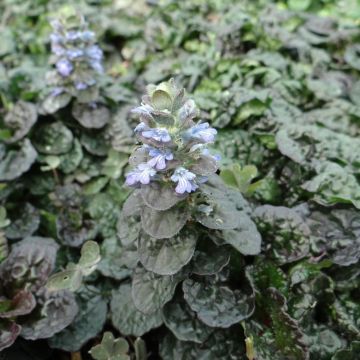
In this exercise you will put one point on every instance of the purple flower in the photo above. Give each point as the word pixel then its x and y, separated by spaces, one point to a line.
pixel 141 127
pixel 74 53
pixel 206 152
pixel 64 67
pixel 159 158
pixel 87 35
pixel 158 134
pixel 202 132
pixel 81 85
pixel 185 180
pixel 94 52
pixel 73 35
pixel 57 91
pixel 142 174
pixel 96 65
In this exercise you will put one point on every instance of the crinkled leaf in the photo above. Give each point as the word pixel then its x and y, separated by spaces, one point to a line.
pixel 54 312
pixel 30 263
pixel 53 139
pixel 117 261
pixel 222 344
pixel 150 291
pixel 285 230
pixel 17 162
pixel 87 324
pixel 166 256
pixel 92 116
pixel 21 304
pixel 184 324
pixel 159 197
pixel 20 119
pixel 216 304
pixel 25 225
pixel 283 336
pixel 334 185
pixel 163 224
pixel 210 259
pixel 245 238
pixel 52 104
pixel 348 354
pixel 127 318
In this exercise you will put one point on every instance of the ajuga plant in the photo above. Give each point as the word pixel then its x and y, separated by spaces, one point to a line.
pixel 77 63
pixel 27 308
pixel 187 229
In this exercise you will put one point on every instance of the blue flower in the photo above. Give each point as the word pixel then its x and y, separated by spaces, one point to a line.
pixel 202 132
pixel 185 180
pixel 64 67
pixel 88 35
pixel 158 134
pixel 81 85
pixel 140 127
pixel 159 157
pixel 57 91
pixel 74 53
pixel 73 35
pixel 142 174
pixel 94 52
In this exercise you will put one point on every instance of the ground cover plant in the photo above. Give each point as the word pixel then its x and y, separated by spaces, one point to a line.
pixel 179 180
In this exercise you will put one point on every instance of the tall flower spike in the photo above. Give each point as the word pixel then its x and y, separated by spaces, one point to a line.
pixel 76 56
pixel 175 147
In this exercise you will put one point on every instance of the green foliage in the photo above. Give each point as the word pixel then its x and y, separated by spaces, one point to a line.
pixel 72 278
pixel 261 261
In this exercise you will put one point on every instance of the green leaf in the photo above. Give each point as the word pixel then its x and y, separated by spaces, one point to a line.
pixel 93 116
pixel 117 261
pixel 241 178
pixel 140 349
pixel 20 119
pixel 70 279
pixel 52 104
pixel 299 5
pixel 90 256
pixel 110 348
pixel 163 224
pixel 210 259
pixel 285 231
pixel 166 256
pixel 245 238
pixel 348 354
pixel 150 291
pixel 127 318
pixel 222 344
pixel 217 305
pixel 161 100
pixel 184 324
pixel 283 337
pixel 160 197
pixel 25 225
pixel 87 324
pixel 53 139
pixel 15 163
pixel 55 311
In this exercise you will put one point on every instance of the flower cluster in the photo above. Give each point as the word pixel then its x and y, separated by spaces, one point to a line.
pixel 174 147
pixel 76 57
